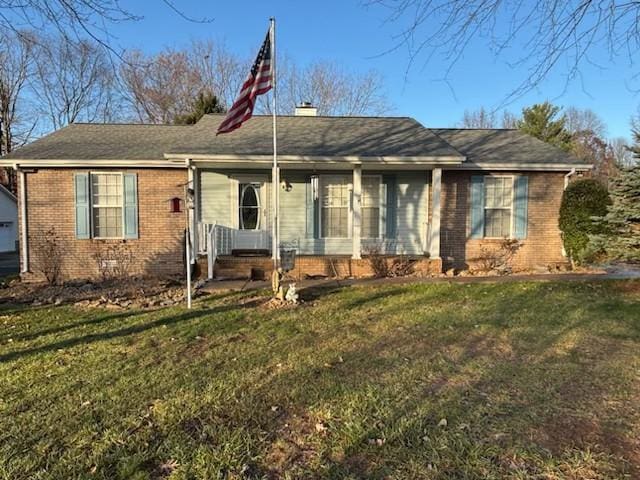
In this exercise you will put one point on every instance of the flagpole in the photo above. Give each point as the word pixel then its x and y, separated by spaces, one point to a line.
pixel 275 173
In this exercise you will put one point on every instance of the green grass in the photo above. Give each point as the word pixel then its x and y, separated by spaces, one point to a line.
pixel 535 380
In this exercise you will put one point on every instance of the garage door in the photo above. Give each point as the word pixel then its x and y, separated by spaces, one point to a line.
pixel 7 237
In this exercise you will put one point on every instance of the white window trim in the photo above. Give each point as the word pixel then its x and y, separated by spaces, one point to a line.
pixel 512 208
pixel 91 205
pixel 321 181
pixel 381 225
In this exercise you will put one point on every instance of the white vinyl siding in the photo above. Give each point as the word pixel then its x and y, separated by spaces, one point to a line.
pixel 107 205
pixel 498 194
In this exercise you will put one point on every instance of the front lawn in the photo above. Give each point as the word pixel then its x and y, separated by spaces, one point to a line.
pixel 436 381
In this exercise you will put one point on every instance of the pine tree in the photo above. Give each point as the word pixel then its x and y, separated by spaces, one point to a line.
pixel 542 121
pixel 205 103
pixel 622 221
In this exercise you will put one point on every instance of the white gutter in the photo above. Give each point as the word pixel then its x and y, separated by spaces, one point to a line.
pixel 568 176
pixel 350 159
pixel 24 249
pixel 542 167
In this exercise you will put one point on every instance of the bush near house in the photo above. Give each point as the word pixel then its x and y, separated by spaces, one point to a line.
pixel 582 200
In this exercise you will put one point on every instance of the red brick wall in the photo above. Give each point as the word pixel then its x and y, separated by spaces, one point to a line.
pixel 158 251
pixel 543 245
pixel 343 266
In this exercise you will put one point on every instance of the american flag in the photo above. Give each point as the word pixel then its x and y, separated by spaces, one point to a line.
pixel 259 81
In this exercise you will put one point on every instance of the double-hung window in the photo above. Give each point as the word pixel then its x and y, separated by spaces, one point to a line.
pixel 334 201
pixel 107 202
pixel 370 207
pixel 498 206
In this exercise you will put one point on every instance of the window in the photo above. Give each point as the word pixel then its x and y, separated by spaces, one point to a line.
pixel 106 205
pixel 370 207
pixel 334 201
pixel 249 206
pixel 498 195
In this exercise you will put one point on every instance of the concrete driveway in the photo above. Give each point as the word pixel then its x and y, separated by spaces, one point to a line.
pixel 9 263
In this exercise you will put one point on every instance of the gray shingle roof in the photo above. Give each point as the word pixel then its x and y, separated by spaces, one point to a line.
pixel 309 136
pixel 305 136
pixel 503 146
pixel 84 141
pixel 320 136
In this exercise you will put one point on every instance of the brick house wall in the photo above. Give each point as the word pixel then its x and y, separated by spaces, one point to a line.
pixel 541 248
pixel 158 250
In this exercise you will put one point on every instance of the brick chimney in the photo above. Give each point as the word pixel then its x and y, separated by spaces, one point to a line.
pixel 306 109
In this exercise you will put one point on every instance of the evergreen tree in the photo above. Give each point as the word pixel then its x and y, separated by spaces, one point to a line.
pixel 622 221
pixel 542 121
pixel 205 103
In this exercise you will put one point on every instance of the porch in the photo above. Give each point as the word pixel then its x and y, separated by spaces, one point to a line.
pixel 332 219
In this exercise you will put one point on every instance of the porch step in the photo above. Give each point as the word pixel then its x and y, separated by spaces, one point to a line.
pixel 243 267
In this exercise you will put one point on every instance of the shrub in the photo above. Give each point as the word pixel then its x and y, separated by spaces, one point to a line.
pixel 583 201
pixel 50 253
pixel 498 258
pixel 114 260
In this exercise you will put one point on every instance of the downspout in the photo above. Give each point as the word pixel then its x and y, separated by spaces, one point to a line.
pixel 566 184
pixel 568 176
pixel 24 243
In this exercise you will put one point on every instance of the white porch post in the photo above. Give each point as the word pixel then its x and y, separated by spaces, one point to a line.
pixel 196 210
pixel 434 239
pixel 24 241
pixel 357 212
pixel 191 210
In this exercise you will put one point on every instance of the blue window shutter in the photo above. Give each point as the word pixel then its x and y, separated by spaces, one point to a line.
pixel 521 186
pixel 311 211
pixel 130 205
pixel 81 187
pixel 476 214
pixel 392 200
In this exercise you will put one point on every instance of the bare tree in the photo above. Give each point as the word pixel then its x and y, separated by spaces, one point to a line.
pixel 584 120
pixel 221 71
pixel 75 19
pixel 620 149
pixel 549 33
pixel 74 81
pixel 160 87
pixel 15 66
pixel 509 120
pixel 480 118
pixel 483 118
pixel 330 88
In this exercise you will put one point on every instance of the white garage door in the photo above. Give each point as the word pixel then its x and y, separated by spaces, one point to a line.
pixel 7 237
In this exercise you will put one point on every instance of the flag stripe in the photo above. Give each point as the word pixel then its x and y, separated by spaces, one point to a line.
pixel 258 82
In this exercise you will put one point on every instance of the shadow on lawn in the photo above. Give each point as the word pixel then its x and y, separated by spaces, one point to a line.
pixel 525 401
pixel 123 332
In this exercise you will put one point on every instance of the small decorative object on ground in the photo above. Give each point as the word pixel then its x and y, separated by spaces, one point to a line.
pixel 292 294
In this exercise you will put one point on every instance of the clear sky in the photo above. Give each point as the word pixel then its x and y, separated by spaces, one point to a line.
pixel 356 36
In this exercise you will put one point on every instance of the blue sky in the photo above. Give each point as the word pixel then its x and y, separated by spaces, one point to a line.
pixel 355 36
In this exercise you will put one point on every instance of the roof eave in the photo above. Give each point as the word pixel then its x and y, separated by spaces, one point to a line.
pixel 529 166
pixel 318 159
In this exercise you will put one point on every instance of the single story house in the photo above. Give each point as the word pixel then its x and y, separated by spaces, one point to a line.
pixel 348 186
pixel 8 220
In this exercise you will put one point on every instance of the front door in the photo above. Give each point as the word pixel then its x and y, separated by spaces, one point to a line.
pixel 251 217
